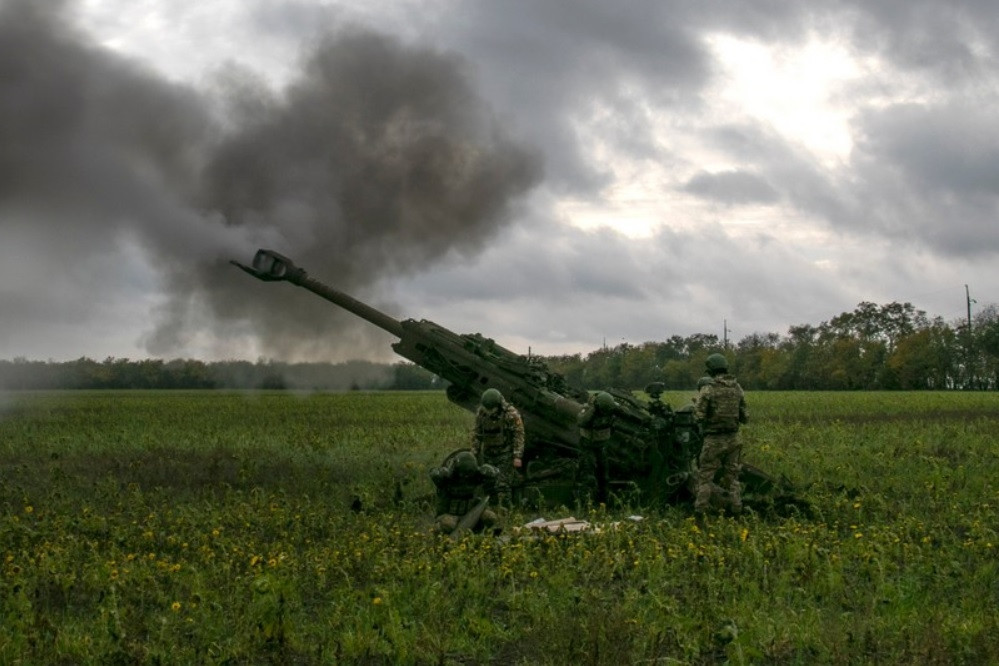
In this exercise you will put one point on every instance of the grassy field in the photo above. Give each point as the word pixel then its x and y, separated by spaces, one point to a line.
pixel 196 528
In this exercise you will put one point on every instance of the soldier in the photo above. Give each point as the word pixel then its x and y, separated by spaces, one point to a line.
pixel 596 426
pixel 498 440
pixel 720 409
pixel 701 383
pixel 462 483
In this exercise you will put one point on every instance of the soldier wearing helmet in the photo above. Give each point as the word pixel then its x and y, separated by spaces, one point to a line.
pixel 596 429
pixel 461 484
pixel 720 409
pixel 498 440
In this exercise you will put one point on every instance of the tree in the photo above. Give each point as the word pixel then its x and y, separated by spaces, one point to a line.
pixel 923 359
pixel 799 346
pixel 750 353
pixel 885 323
pixel 986 336
pixel 638 366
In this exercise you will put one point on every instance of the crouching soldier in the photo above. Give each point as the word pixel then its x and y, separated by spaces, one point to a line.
pixel 463 490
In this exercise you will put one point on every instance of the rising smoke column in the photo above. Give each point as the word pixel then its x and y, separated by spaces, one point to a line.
pixel 378 158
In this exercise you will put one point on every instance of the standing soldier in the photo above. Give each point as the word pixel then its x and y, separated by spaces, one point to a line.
pixel 720 409
pixel 498 440
pixel 596 424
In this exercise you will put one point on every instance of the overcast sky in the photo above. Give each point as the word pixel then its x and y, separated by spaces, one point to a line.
pixel 556 174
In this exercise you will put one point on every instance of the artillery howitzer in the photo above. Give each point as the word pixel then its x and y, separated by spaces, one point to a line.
pixel 654 449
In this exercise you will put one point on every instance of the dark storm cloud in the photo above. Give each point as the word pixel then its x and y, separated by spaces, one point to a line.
pixel 951 40
pixel 378 158
pixel 932 172
pixel 732 187
pixel 290 19
pixel 583 287
pixel 950 149
pixel 574 71
pixel 555 66
pixel 781 171
pixel 549 262
pixel 926 175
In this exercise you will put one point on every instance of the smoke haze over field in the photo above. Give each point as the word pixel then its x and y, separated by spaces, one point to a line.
pixel 376 159
pixel 553 174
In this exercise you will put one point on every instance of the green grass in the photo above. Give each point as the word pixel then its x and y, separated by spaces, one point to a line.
pixel 208 527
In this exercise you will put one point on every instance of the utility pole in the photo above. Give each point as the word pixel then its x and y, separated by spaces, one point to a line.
pixel 725 333
pixel 969 301
pixel 971 355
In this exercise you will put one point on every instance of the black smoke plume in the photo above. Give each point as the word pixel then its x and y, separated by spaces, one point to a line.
pixel 377 159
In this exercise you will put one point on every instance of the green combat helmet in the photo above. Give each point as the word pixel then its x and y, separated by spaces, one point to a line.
pixel 605 402
pixel 492 398
pixel 716 363
pixel 704 381
pixel 465 463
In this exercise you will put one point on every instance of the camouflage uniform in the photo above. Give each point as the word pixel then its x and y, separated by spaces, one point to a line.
pixel 720 408
pixel 498 438
pixel 459 489
pixel 596 429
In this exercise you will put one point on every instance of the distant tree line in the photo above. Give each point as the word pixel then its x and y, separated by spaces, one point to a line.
pixel 874 347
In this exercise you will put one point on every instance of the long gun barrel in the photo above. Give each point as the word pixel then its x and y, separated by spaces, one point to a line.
pixel 471 362
pixel 270 266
